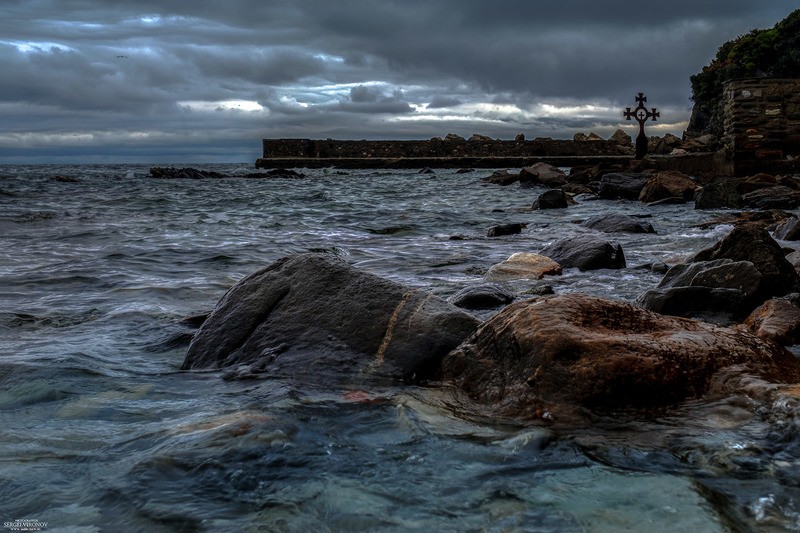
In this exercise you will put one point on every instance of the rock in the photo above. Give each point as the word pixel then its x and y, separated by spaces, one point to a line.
pixel 668 184
pixel 483 296
pixel 479 138
pixel 667 201
pixel 775 197
pixel 718 194
pixel 543 174
pixel 523 265
pixel 65 179
pixel 426 170
pixel 277 173
pixel 748 242
pixel 616 223
pixel 501 177
pixel 621 138
pixel 755 182
pixel 585 252
pixel 464 170
pixel 788 230
pixel 593 137
pixel 551 357
pixel 794 259
pixel 183 173
pixel 314 317
pixel 588 174
pixel 777 320
pixel 505 229
pixel 519 137
pixel 452 137
pixel 623 185
pixel 719 291
pixel 580 137
pixel 552 199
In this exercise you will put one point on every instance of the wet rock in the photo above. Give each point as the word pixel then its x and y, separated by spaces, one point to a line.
pixel 668 184
pixel 464 170
pixel 625 185
pixel 501 177
pixel 588 174
pixel 616 223
pixel 788 230
pixel 748 242
pixel 755 182
pixel 276 173
pixel 552 199
pixel 543 174
pixel 718 291
pixel 505 229
pixel 426 170
pixel 314 317
pixel 585 252
pixel 523 265
pixel 65 179
pixel 777 320
pixel 483 296
pixel 775 197
pixel 717 195
pixel 547 358
pixel 183 173
pixel 667 201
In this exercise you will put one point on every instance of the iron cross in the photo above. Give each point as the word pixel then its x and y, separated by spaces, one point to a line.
pixel 641 114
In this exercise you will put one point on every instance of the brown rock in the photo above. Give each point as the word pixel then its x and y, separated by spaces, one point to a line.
pixel 544 174
pixel 668 184
pixel 554 355
pixel 777 320
pixel 523 265
pixel 621 138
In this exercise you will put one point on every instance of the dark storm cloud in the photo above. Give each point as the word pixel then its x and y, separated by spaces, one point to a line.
pixel 197 76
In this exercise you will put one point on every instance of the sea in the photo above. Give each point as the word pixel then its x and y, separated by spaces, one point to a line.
pixel 103 267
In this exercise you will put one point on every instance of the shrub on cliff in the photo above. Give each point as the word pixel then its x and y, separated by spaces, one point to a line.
pixel 770 53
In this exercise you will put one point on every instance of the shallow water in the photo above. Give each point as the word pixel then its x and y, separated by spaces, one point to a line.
pixel 100 431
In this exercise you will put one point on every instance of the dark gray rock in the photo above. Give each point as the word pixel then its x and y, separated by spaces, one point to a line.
pixel 776 197
pixel 718 306
pixel 483 296
pixel 312 316
pixel 501 177
pixel 505 229
pixel 552 199
pixel 720 274
pixel 616 223
pixel 788 230
pixel 585 252
pixel 717 195
pixel 183 173
pixel 625 185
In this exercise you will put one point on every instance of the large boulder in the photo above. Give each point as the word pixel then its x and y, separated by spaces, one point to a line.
pixel 775 197
pixel 523 265
pixel 315 317
pixel 788 230
pixel 749 242
pixel 542 174
pixel 551 356
pixel 777 320
pixel 617 223
pixel 625 185
pixel 717 291
pixel 585 252
pixel 718 194
pixel 668 184
pixel 552 199
pixel 501 177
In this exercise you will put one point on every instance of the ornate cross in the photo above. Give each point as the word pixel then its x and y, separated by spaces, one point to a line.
pixel 641 114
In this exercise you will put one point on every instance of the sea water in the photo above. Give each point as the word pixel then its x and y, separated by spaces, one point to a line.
pixel 101 431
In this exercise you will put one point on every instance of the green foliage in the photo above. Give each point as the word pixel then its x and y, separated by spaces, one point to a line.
pixel 771 53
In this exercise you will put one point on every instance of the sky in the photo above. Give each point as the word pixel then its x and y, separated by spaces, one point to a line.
pixel 167 81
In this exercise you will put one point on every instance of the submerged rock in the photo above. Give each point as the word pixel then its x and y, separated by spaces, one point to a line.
pixel 501 177
pixel 506 229
pixel 552 199
pixel 184 173
pixel 315 317
pixel 483 296
pixel 551 356
pixel 616 223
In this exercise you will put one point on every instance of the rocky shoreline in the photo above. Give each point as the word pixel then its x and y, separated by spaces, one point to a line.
pixel 723 317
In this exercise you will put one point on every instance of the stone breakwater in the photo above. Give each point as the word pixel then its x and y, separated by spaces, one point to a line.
pixel 451 152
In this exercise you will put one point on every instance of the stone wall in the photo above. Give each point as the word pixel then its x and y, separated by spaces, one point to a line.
pixel 762 122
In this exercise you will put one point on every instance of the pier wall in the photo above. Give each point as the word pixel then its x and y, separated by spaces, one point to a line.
pixel 486 153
